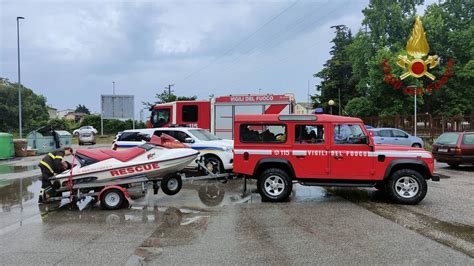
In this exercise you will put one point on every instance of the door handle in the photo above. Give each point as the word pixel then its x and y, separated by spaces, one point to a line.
pixel 381 138
pixel 300 156
pixel 396 139
pixel 338 157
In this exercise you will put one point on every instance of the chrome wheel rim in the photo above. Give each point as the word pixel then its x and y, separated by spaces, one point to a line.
pixel 274 185
pixel 172 184
pixel 112 199
pixel 407 187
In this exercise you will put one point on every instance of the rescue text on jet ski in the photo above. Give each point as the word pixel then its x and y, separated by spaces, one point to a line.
pixel 136 169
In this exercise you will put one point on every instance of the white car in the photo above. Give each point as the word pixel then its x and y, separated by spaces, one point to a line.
pixel 217 152
pixel 85 129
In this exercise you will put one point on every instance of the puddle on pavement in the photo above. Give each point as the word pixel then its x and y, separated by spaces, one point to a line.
pixel 12 190
pixel 11 169
pixel 456 235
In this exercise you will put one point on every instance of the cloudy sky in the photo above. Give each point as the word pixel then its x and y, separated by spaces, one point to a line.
pixel 71 51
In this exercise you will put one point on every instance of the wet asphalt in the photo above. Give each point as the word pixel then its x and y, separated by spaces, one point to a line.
pixel 210 222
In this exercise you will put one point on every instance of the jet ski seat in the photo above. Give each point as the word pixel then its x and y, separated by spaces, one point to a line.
pixel 125 155
pixel 104 154
pixel 94 154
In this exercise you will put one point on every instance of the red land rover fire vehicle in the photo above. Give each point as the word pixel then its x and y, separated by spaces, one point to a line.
pixel 217 115
pixel 326 150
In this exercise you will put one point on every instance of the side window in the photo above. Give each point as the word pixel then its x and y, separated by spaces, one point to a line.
pixel 349 134
pixel 190 113
pixel 179 135
pixel 384 133
pixel 309 134
pixel 159 132
pixel 468 139
pixel 263 133
pixel 131 136
pixel 399 134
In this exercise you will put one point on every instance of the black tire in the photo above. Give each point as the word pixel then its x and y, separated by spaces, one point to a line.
pixel 171 184
pixel 112 199
pixel 80 143
pixel 416 145
pixel 453 165
pixel 215 162
pixel 415 190
pixel 271 177
pixel 211 194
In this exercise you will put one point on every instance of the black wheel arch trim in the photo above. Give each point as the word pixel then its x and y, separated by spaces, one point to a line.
pixel 418 163
pixel 285 162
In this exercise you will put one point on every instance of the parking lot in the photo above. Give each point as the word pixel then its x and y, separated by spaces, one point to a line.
pixel 210 222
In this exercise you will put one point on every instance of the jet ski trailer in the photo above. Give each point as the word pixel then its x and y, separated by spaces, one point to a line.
pixel 113 177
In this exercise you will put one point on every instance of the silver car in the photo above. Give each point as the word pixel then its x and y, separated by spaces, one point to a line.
pixel 395 136
pixel 87 137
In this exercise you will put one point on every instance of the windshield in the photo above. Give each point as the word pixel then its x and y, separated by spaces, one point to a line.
pixel 448 138
pixel 160 117
pixel 203 135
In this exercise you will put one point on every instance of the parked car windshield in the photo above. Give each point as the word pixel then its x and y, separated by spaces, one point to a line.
pixel 448 138
pixel 203 135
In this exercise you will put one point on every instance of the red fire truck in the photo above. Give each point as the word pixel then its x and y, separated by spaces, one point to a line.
pixel 217 115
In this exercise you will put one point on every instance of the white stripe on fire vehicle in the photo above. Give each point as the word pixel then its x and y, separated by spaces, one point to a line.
pixel 259 152
pixel 410 154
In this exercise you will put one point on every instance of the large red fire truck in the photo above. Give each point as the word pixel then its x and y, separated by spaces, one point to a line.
pixel 217 115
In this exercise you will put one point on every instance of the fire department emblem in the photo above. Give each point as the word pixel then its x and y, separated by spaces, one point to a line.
pixel 417 63
pixel 417 48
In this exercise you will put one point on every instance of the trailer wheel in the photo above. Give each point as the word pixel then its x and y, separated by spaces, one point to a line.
pixel 171 184
pixel 112 199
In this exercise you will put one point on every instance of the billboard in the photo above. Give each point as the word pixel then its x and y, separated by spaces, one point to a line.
pixel 118 106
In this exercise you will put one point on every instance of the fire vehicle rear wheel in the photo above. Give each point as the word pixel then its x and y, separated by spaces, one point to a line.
pixel 406 186
pixel 274 184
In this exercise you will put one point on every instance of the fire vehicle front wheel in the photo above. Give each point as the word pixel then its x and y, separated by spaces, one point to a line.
pixel 406 186
pixel 274 185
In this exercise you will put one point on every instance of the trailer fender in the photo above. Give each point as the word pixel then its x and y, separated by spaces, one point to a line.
pixel 124 191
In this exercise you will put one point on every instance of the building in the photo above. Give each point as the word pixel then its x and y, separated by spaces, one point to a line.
pixel 76 117
pixel 303 108
pixel 53 112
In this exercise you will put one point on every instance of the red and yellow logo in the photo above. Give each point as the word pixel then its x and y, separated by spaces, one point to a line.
pixel 417 63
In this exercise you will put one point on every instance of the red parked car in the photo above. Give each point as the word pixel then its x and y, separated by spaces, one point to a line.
pixel 326 150
pixel 454 148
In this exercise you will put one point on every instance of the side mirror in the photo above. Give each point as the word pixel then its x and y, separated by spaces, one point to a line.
pixel 188 140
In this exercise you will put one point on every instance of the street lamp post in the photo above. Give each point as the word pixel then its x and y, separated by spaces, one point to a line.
pixel 331 103
pixel 19 78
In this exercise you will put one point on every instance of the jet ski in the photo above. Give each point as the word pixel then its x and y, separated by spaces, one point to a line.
pixel 154 160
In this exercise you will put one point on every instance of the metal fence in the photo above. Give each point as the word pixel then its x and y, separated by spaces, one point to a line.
pixel 427 126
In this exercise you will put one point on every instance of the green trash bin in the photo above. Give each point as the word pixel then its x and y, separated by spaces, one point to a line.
pixel 6 146
pixel 42 140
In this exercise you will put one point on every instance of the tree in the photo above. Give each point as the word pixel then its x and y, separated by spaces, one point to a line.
pixel 34 110
pixel 359 107
pixel 166 97
pixel 336 76
pixel 82 109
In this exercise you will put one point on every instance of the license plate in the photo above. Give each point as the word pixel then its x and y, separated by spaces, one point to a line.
pixel 443 150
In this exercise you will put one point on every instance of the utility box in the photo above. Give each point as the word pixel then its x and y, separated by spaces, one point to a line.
pixel 6 146
pixel 46 139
